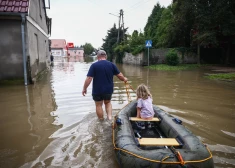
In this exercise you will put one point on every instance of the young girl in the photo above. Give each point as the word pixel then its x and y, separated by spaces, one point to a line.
pixel 144 104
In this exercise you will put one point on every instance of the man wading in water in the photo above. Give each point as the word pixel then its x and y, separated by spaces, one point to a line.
pixel 102 72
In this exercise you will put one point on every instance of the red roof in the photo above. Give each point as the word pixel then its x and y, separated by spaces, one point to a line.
pixel 58 43
pixel 70 45
pixel 15 6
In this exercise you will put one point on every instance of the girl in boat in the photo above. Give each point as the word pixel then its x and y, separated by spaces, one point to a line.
pixel 144 105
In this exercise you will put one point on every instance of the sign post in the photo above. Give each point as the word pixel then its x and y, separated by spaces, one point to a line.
pixel 148 44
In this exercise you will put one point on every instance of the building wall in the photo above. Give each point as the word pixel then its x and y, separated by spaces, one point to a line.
pixel 58 52
pixel 58 44
pixel 37 13
pixel 37 38
pixel 75 52
pixel 37 44
pixel 11 57
pixel 37 49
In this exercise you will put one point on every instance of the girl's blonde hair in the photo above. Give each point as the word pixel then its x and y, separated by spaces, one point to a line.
pixel 143 92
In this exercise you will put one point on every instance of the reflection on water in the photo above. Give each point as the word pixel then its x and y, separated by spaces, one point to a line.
pixel 52 124
pixel 25 122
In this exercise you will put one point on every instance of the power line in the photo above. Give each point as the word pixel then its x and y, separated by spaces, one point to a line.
pixel 93 2
pixel 138 6
pixel 134 4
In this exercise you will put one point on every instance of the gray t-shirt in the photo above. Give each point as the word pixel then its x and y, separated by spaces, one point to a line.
pixel 146 107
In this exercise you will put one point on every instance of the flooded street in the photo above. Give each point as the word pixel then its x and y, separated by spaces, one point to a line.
pixel 50 124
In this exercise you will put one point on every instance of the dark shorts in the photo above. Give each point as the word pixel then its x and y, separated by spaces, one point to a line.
pixel 102 97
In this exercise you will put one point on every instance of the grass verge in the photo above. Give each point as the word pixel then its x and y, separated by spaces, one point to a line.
pixel 222 76
pixel 164 67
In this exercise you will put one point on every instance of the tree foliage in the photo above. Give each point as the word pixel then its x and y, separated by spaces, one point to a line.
pixel 110 41
pixel 134 44
pixel 88 48
pixel 214 21
pixel 153 23
pixel 184 24
pixel 172 58
pixel 165 29
pixel 191 22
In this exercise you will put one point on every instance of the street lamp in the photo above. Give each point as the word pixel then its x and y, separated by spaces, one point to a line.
pixel 118 25
pixel 113 15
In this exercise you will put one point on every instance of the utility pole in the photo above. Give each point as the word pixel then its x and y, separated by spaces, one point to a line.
pixel 120 25
pixel 123 26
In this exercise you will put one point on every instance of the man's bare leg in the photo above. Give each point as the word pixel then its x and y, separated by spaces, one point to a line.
pixel 99 109
pixel 108 108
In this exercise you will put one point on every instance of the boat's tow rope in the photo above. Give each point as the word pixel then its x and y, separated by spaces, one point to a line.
pixel 128 87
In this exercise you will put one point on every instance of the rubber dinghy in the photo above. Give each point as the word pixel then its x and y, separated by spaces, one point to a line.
pixel 166 144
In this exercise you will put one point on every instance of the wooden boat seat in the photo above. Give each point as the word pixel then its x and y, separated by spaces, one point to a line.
pixel 158 142
pixel 140 119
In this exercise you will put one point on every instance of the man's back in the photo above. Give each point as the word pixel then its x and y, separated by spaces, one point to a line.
pixel 102 72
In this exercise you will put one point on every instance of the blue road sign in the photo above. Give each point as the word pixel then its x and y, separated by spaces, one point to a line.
pixel 148 43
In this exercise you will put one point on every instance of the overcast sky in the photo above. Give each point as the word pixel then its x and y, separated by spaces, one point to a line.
pixel 81 21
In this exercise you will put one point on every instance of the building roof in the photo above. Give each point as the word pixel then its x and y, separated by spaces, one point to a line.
pixel 58 43
pixel 75 48
pixel 14 6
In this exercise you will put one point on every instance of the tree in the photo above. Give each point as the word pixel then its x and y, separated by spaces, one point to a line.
pixel 152 24
pixel 137 42
pixel 200 23
pixel 88 48
pixel 134 44
pixel 183 21
pixel 165 29
pixel 214 25
pixel 110 41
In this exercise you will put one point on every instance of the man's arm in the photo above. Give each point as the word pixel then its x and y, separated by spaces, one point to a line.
pixel 121 77
pixel 86 84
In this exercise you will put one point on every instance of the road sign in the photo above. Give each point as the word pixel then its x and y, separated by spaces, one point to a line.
pixel 148 43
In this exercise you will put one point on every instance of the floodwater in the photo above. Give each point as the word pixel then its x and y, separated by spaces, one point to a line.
pixel 50 124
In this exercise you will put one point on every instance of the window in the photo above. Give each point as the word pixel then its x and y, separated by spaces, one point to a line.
pixel 37 47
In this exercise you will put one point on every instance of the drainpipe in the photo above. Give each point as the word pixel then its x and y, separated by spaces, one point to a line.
pixel 23 47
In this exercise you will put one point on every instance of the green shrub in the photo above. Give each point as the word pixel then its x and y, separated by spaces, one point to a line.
pixel 172 58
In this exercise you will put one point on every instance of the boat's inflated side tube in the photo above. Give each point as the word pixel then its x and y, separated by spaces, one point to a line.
pixel 128 154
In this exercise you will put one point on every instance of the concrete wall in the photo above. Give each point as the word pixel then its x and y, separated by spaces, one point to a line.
pixel 157 56
pixel 131 59
pixel 187 58
pixel 11 57
pixel 190 58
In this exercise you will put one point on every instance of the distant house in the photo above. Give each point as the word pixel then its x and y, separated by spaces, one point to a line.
pixel 58 47
pixel 76 51
pixel 24 43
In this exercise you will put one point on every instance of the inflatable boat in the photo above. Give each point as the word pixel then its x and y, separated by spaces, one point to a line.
pixel 161 142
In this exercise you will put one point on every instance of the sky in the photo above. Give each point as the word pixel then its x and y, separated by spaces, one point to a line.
pixel 87 21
